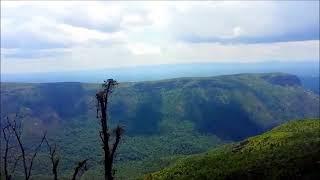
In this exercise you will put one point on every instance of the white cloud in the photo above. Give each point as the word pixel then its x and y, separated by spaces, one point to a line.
pixel 83 35
pixel 80 58
pixel 215 52
pixel 101 14
pixel 133 19
pixel 237 31
pixel 142 49
pixel 108 34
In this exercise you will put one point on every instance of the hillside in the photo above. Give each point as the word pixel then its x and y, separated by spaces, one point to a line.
pixel 162 119
pixel 257 101
pixel 290 151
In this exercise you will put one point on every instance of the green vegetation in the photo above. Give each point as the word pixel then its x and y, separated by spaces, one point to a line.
pixel 137 155
pixel 164 120
pixel 290 151
pixel 252 103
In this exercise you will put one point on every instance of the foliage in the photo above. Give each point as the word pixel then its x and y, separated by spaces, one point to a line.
pixel 163 119
pixel 289 151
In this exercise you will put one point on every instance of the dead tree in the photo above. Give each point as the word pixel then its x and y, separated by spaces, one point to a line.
pixel 7 147
pixel 16 130
pixel 109 148
pixel 10 159
pixel 80 169
pixel 6 137
pixel 13 129
pixel 54 158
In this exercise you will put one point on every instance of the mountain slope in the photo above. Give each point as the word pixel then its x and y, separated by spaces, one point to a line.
pixel 290 151
pixel 162 118
pixel 232 107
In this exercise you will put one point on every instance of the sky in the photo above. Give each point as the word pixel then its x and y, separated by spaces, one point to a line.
pixel 59 36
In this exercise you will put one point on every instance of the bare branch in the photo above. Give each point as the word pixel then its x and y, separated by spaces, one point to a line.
pixel 80 169
pixel 17 134
pixel 101 136
pixel 5 157
pixel 16 129
pixel 55 159
pixel 118 132
pixel 15 164
pixel 35 154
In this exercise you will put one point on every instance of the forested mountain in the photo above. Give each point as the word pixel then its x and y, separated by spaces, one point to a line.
pixel 163 119
pixel 219 105
pixel 290 151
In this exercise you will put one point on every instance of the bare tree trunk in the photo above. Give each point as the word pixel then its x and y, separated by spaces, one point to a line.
pixel 81 167
pixel 105 138
pixel 102 107
pixel 54 159
pixel 5 157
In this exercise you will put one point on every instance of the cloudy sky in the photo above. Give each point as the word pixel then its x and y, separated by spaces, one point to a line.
pixel 63 36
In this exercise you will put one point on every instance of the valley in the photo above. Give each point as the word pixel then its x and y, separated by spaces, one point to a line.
pixel 163 120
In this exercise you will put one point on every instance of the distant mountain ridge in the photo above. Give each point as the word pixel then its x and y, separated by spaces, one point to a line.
pixel 167 71
pixel 230 106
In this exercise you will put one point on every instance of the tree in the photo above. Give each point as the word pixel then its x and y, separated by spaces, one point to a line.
pixel 108 147
pixel 79 170
pixel 13 129
pixel 54 158
pixel 7 136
